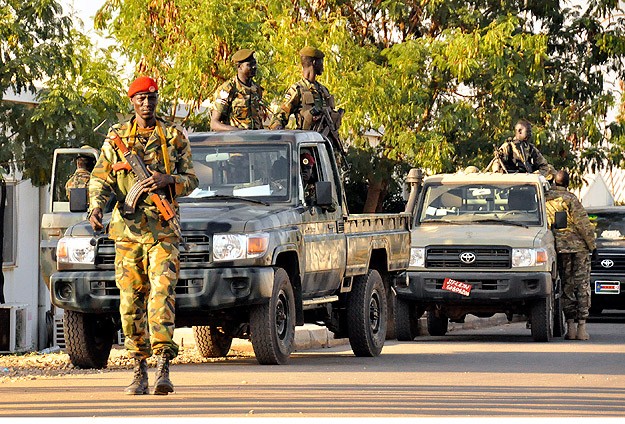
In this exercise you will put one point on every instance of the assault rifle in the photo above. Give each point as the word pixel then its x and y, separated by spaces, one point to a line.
pixel 499 161
pixel 158 197
pixel 326 126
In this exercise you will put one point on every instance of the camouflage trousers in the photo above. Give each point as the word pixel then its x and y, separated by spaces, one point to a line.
pixel 146 275
pixel 575 268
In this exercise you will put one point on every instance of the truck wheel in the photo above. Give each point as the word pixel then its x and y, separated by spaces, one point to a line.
pixel 558 313
pixel 88 338
pixel 406 321
pixel 438 324
pixel 366 315
pixel 272 324
pixel 541 318
pixel 211 341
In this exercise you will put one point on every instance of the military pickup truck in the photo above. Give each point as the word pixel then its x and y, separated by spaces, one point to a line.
pixel 480 245
pixel 261 254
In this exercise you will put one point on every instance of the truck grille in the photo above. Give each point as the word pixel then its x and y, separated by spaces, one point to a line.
pixel 197 250
pixel 483 257
pixel 609 263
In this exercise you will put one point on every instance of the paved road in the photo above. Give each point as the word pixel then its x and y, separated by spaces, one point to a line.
pixel 492 372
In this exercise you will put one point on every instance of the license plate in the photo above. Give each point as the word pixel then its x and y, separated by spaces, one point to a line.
pixel 457 286
pixel 607 287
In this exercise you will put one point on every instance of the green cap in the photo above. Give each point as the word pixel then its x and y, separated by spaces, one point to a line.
pixel 311 52
pixel 242 55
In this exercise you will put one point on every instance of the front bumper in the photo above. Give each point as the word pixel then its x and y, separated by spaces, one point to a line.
pixel 486 288
pixel 197 289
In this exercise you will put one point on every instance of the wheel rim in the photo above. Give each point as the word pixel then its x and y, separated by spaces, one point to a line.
pixel 282 316
pixel 374 312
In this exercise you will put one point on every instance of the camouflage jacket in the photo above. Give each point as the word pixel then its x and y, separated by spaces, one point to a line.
pixel 579 234
pixel 299 100
pixel 239 105
pixel 145 225
pixel 517 156
pixel 79 179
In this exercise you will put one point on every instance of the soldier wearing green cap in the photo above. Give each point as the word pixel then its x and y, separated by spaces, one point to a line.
pixel 306 98
pixel 238 103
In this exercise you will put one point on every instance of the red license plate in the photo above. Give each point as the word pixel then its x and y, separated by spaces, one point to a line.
pixel 457 286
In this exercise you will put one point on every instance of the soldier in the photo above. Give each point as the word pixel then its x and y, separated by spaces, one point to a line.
pixel 238 103
pixel 306 98
pixel 146 246
pixel 519 154
pixel 307 163
pixel 573 244
pixel 80 177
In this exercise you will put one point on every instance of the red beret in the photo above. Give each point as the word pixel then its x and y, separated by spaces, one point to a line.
pixel 142 84
pixel 307 159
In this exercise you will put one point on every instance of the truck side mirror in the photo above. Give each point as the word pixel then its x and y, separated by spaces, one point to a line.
pixel 560 221
pixel 78 201
pixel 323 190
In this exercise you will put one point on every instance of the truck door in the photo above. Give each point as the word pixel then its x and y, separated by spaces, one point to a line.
pixel 58 217
pixel 324 239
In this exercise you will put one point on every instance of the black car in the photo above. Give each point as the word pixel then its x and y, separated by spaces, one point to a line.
pixel 607 278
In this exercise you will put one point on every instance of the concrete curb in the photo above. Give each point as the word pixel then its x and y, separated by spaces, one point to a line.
pixel 310 336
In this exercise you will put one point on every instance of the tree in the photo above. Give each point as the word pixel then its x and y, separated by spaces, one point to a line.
pixel 443 80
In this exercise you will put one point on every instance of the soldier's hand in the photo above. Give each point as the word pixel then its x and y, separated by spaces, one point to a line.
pixel 95 219
pixel 157 180
pixel 595 255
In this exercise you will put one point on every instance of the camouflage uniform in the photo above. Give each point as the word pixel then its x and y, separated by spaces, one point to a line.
pixel 299 100
pixel 240 105
pixel 79 179
pixel 146 247
pixel 516 154
pixel 574 244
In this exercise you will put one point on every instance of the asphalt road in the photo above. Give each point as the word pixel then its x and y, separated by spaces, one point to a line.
pixel 486 372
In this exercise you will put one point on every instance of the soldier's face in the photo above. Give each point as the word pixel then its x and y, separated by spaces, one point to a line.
pixel 248 69
pixel 306 173
pixel 318 66
pixel 145 104
pixel 522 132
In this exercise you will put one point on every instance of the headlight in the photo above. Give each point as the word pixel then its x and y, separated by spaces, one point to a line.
pixel 229 247
pixel 75 250
pixel 528 257
pixel 417 257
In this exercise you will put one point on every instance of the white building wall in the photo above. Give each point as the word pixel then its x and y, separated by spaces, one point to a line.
pixel 21 280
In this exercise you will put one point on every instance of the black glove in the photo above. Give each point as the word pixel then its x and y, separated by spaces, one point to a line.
pixel 595 255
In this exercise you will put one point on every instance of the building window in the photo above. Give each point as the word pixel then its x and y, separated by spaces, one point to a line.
pixel 9 226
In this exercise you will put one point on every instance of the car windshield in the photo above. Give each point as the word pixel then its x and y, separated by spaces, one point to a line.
pixel 258 172
pixel 609 225
pixel 510 204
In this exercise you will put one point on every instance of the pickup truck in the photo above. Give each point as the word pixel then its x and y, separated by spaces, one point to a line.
pixel 481 244
pixel 259 255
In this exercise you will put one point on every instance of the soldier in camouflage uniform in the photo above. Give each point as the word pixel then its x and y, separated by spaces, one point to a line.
pixel 80 178
pixel 307 97
pixel 307 163
pixel 573 244
pixel 146 246
pixel 519 154
pixel 238 103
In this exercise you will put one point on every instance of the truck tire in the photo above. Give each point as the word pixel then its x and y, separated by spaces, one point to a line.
pixel 366 315
pixel 88 339
pixel 211 341
pixel 272 324
pixel 438 324
pixel 541 318
pixel 406 321
pixel 558 313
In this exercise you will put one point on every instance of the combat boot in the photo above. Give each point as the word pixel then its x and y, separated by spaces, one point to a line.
pixel 163 383
pixel 139 385
pixel 582 334
pixel 571 330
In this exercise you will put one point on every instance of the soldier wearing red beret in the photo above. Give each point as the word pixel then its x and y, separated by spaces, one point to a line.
pixel 146 246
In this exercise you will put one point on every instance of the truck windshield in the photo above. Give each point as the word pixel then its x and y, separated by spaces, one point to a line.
pixel 480 203
pixel 258 172
pixel 609 226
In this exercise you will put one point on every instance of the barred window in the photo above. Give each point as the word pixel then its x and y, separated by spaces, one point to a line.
pixel 9 226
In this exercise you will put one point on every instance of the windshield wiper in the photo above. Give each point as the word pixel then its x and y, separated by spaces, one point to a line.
pixel 500 221
pixel 222 197
pixel 446 221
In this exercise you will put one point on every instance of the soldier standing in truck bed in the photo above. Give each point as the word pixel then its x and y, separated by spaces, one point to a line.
pixel 238 103
pixel 307 97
